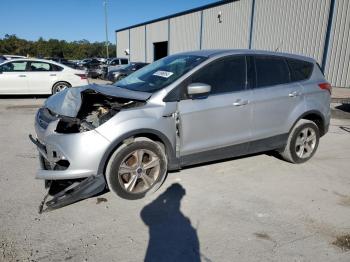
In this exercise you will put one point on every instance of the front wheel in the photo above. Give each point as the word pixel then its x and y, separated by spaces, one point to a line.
pixel 302 142
pixel 136 169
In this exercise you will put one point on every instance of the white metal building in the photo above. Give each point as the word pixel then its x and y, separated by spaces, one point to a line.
pixel 316 28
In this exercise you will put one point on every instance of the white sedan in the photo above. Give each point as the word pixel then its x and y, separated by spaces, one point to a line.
pixel 37 76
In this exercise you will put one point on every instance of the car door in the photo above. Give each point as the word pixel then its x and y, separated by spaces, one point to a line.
pixel 13 78
pixel 40 77
pixel 274 97
pixel 223 119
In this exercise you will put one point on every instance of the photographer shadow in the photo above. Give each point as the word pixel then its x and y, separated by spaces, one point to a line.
pixel 171 235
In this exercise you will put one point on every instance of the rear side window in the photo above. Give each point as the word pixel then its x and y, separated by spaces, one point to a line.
pixel 56 68
pixel 271 70
pixel 39 66
pixel 226 75
pixel 115 62
pixel 124 61
pixel 299 70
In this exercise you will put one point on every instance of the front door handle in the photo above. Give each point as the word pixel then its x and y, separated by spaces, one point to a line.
pixel 52 74
pixel 240 102
pixel 22 76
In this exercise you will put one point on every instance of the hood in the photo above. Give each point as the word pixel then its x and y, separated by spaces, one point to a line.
pixel 68 101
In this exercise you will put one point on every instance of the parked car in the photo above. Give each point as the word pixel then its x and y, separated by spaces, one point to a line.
pixel 113 64
pixel 181 110
pixel 37 76
pixel 118 61
pixel 89 63
pixel 2 59
pixel 63 61
pixel 9 57
pixel 95 72
pixel 122 72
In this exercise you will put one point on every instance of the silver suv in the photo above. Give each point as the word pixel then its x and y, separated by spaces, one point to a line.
pixel 184 109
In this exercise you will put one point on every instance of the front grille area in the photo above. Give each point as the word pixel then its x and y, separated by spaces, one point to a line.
pixel 44 117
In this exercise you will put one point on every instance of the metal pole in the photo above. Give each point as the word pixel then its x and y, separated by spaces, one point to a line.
pixel 106 27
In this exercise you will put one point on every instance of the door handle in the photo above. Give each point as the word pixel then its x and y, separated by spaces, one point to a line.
pixel 293 94
pixel 52 74
pixel 22 76
pixel 240 102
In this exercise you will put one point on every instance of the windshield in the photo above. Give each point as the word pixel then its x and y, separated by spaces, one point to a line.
pixel 160 74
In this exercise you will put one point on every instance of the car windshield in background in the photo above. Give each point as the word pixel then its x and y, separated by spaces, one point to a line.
pixel 161 73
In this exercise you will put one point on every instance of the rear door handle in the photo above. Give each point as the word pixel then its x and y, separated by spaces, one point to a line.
pixel 22 76
pixel 52 74
pixel 240 102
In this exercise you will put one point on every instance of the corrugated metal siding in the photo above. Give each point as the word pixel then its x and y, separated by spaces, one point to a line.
pixel 233 32
pixel 337 66
pixel 185 33
pixel 137 44
pixel 156 32
pixel 294 26
pixel 123 43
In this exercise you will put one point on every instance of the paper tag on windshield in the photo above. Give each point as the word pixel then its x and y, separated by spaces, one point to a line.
pixel 164 74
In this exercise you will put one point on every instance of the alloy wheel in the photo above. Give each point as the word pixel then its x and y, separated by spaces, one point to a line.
pixel 60 87
pixel 139 171
pixel 305 142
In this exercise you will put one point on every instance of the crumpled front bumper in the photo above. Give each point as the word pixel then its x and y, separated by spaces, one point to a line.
pixel 68 156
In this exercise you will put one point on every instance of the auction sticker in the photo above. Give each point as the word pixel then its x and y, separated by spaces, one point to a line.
pixel 164 74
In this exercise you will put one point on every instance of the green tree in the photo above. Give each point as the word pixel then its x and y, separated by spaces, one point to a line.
pixel 11 44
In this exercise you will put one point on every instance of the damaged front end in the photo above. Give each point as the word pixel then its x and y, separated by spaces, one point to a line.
pixel 70 149
pixel 95 110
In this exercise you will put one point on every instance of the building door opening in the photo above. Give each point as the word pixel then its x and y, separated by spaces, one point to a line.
pixel 160 50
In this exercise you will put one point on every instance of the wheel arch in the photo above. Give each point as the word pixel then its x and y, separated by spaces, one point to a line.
pixel 314 116
pixel 152 134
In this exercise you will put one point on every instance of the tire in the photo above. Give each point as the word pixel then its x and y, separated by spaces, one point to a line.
pixel 120 77
pixel 59 86
pixel 132 179
pixel 302 142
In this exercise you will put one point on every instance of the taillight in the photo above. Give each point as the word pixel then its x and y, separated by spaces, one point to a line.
pixel 82 76
pixel 326 86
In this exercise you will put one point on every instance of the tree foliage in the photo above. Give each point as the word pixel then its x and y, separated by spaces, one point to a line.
pixel 11 44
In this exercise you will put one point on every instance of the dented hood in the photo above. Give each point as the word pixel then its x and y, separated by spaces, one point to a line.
pixel 68 101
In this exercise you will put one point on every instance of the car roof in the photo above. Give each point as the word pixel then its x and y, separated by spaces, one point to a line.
pixel 225 52
pixel 35 60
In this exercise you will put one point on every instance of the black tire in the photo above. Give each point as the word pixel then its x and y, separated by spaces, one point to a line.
pixel 296 149
pixel 120 77
pixel 116 181
pixel 59 86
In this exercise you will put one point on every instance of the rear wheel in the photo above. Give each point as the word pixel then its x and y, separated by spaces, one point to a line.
pixel 136 169
pixel 302 142
pixel 60 86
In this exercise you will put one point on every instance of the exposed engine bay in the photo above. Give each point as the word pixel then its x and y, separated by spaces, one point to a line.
pixel 95 110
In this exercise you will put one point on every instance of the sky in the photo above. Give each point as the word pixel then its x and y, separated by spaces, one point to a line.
pixel 82 19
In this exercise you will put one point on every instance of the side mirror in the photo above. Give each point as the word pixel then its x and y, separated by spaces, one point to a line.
pixel 198 90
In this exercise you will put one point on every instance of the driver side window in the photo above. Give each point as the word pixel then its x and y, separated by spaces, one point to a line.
pixel 224 75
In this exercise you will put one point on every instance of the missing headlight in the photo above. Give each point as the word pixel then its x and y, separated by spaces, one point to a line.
pixel 96 109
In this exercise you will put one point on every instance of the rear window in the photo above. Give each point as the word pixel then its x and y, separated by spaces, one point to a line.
pixel 271 70
pixel 299 70
pixel 56 68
